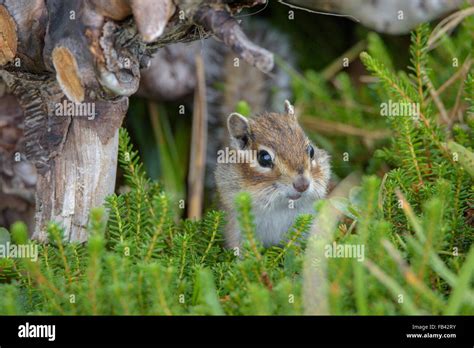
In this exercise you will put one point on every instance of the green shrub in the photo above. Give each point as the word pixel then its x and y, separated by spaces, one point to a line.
pixel 415 224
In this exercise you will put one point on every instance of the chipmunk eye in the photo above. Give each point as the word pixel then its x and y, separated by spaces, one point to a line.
pixel 264 159
pixel 311 151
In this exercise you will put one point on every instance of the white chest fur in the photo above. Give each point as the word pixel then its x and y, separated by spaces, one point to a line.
pixel 273 223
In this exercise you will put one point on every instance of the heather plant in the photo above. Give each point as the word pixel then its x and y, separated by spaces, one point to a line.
pixel 413 224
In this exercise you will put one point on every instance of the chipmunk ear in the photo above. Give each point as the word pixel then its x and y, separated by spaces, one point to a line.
pixel 289 109
pixel 239 129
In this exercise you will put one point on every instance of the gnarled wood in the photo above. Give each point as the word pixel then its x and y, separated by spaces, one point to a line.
pixel 67 74
pixel 82 175
pixel 8 36
pixel 75 54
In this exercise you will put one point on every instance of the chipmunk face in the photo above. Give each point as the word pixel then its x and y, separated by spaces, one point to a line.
pixel 285 165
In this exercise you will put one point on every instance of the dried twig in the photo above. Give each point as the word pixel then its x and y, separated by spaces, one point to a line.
pixel 226 28
pixel 464 70
pixel 337 65
pixel 461 72
pixel 197 164
pixel 447 25
pixel 320 125
pixel 437 100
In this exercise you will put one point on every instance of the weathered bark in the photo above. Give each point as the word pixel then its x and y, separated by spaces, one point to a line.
pixel 30 18
pixel 83 174
pixel 75 157
pixel 90 53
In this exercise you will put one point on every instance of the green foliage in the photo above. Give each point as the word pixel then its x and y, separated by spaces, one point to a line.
pixel 415 221
pixel 142 261
pixel 163 140
pixel 243 108
pixel 419 232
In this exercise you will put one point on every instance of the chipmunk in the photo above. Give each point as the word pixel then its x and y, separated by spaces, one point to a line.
pixel 287 175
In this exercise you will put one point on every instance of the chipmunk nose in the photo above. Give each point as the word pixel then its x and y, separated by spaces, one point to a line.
pixel 301 184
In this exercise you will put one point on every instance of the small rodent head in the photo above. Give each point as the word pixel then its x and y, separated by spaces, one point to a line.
pixel 284 165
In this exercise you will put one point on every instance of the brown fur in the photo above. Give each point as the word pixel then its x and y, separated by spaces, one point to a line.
pixel 284 136
pixel 281 134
